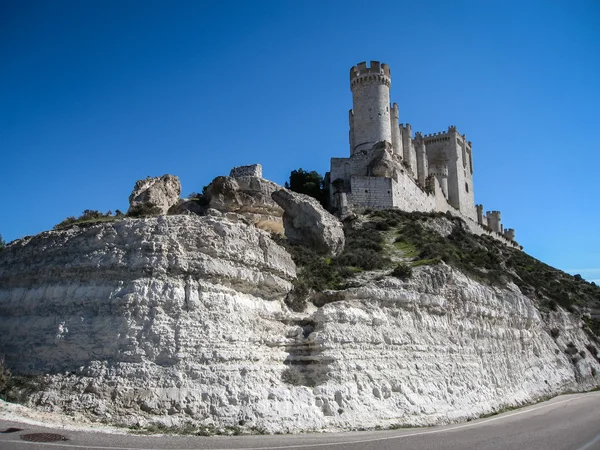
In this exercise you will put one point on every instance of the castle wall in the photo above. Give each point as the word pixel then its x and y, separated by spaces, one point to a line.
pixel 409 196
pixel 405 194
pixel 344 168
pixel 371 192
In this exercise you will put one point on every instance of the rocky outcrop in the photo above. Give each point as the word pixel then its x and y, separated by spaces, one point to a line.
pixel 306 222
pixel 249 196
pixel 189 206
pixel 162 192
pixel 382 162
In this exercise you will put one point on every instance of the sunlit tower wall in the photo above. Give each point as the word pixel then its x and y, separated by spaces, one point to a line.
pixel 457 152
pixel 370 115
pixel 396 133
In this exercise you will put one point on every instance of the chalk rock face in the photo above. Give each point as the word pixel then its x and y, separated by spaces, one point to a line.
pixel 162 192
pixel 110 284
pixel 249 196
pixel 307 222
pixel 181 318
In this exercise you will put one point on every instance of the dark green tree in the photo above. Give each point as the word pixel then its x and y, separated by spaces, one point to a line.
pixel 309 183
pixel 2 243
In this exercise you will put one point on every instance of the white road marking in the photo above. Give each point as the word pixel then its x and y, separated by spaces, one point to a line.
pixel 589 444
pixel 358 441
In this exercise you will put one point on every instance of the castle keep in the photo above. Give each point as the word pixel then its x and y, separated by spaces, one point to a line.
pixel 389 167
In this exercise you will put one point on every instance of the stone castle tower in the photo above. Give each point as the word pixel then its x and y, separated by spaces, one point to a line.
pixel 388 167
pixel 370 115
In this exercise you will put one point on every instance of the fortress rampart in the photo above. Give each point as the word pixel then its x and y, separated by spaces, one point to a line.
pixel 424 172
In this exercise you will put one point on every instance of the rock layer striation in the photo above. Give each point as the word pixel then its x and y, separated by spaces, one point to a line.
pixel 181 318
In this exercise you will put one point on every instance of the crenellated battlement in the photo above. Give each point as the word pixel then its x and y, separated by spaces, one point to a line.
pixel 377 72
pixel 441 134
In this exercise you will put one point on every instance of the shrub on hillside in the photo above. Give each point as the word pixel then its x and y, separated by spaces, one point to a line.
pixel 144 210
pixel 402 271
pixel 309 183
pixel 88 216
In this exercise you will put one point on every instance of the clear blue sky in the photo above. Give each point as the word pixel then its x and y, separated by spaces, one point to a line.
pixel 95 95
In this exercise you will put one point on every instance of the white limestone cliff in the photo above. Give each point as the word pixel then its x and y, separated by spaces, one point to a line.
pixel 181 318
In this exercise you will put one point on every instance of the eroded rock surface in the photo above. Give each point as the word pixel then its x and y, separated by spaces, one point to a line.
pixel 162 192
pixel 181 318
pixel 382 162
pixel 249 196
pixel 306 222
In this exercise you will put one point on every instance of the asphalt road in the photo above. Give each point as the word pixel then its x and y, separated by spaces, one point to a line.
pixel 566 422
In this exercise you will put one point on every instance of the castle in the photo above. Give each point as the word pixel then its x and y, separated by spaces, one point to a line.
pixel 388 167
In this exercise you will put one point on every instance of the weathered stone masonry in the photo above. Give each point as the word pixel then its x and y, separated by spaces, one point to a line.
pixel 388 167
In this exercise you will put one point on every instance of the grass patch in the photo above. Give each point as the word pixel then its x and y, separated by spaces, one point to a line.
pixel 89 216
pixel 407 249
pixel 426 262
